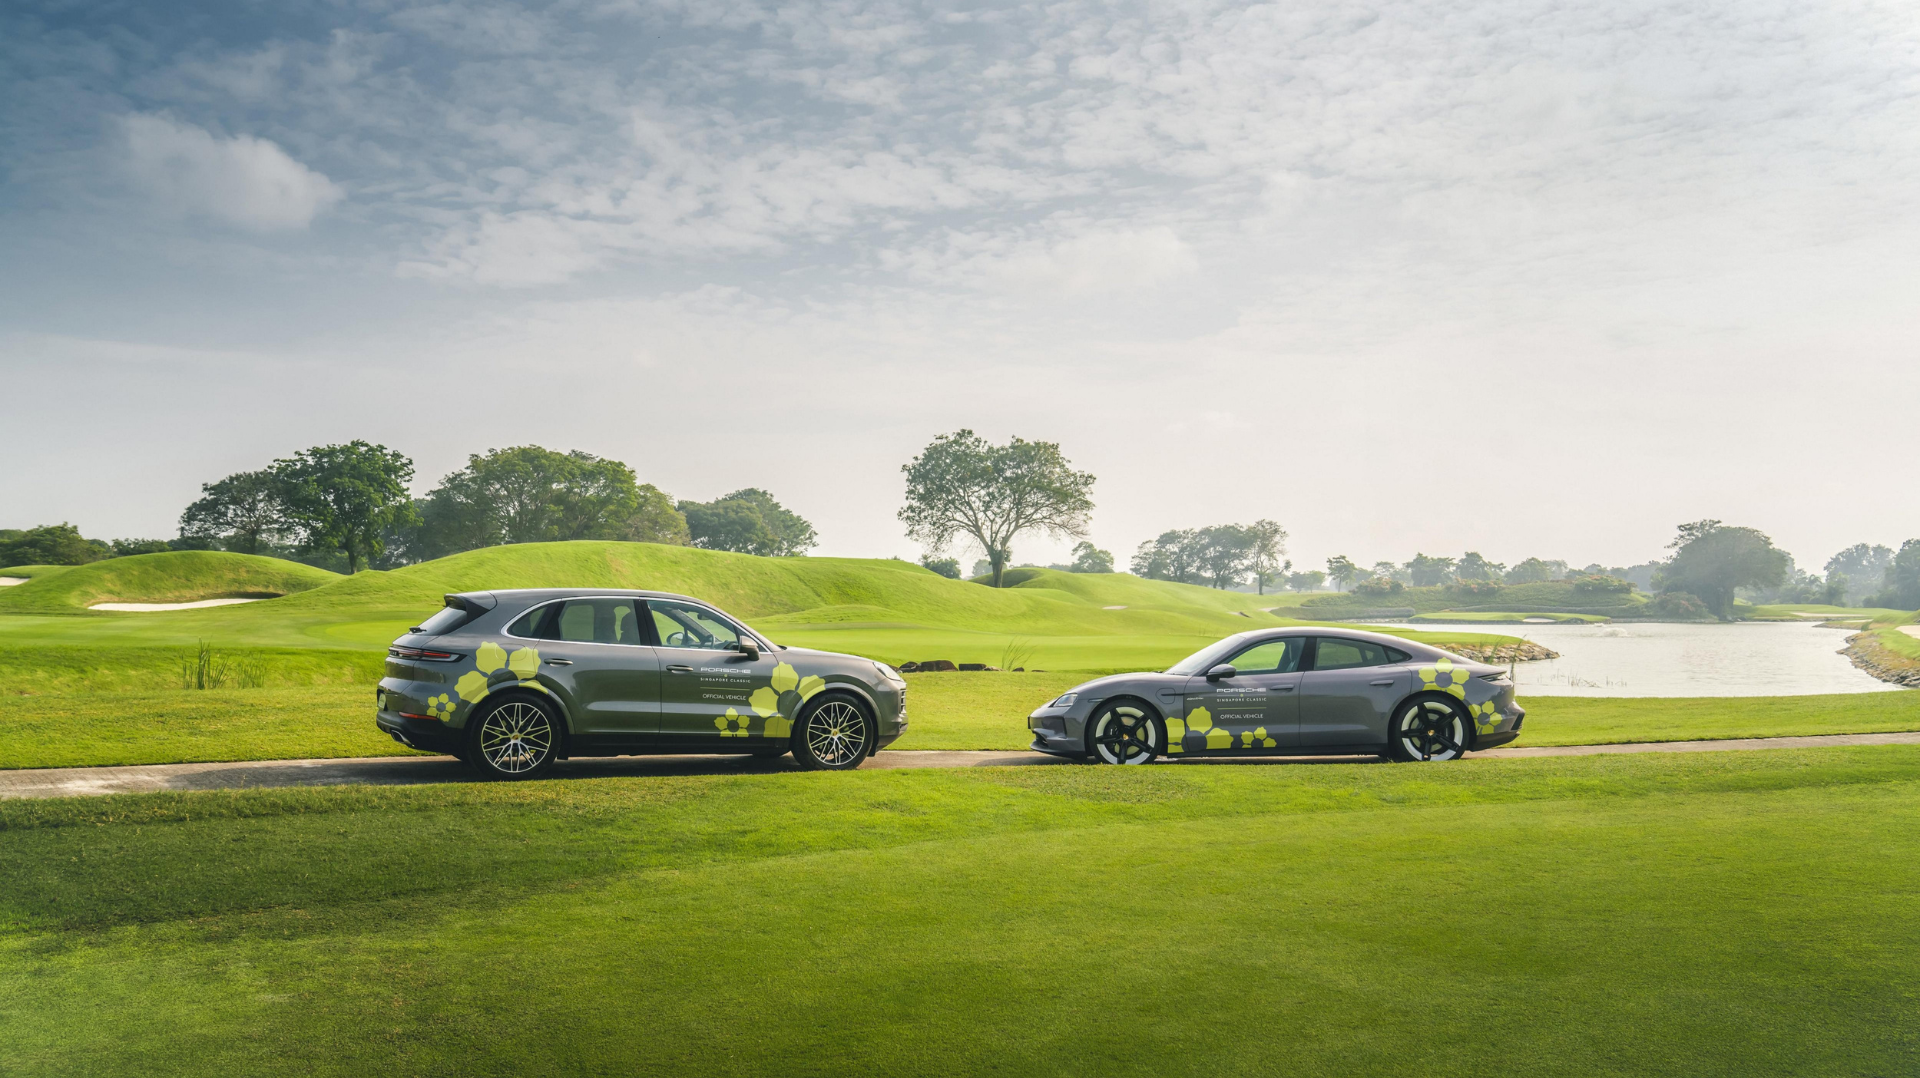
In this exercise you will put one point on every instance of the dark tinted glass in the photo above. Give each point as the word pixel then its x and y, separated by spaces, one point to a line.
pixel 1270 657
pixel 528 624
pixel 1334 653
pixel 596 621
pixel 1395 655
pixel 446 620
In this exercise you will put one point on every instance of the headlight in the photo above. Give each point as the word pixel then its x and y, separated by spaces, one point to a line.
pixel 1065 701
pixel 887 674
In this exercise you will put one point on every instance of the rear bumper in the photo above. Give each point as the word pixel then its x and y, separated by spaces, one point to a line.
pixel 424 734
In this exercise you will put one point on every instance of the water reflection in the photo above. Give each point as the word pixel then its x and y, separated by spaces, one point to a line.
pixel 1661 659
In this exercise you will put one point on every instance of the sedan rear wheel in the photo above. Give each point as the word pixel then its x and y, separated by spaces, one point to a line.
pixel 1429 729
pixel 1124 733
pixel 513 739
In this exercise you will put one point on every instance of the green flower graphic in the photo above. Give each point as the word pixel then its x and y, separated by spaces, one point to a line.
pixel 1257 738
pixel 1200 721
pixel 1485 715
pixel 779 700
pixel 1443 677
pixel 1177 734
pixel 733 724
pixel 440 707
pixel 489 659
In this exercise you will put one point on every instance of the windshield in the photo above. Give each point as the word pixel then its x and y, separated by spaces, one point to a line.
pixel 1204 658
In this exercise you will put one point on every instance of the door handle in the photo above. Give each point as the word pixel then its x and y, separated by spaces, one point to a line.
pixel 559 662
pixel 1381 684
pixel 1283 688
pixel 680 669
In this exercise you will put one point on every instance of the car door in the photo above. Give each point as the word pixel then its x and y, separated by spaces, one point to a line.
pixel 707 682
pixel 1257 708
pixel 1348 694
pixel 594 653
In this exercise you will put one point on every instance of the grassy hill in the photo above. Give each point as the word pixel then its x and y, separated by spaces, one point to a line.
pixel 181 576
pixel 891 610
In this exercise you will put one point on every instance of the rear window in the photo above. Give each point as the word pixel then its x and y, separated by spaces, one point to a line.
pixel 445 620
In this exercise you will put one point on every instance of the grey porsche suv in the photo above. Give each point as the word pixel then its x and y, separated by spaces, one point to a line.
pixel 511 681
pixel 1302 691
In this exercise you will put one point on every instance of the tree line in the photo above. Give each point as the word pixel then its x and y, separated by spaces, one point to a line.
pixel 347 506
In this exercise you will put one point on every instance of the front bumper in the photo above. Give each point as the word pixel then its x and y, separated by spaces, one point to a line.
pixel 1055 735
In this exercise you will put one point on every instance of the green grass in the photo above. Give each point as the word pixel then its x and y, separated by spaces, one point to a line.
pixel 33 572
pixel 1733 914
pixel 1792 612
pixel 946 711
pixel 181 576
pixel 70 668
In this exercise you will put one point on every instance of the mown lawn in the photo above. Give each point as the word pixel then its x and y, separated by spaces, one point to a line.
pixel 946 711
pixel 1734 914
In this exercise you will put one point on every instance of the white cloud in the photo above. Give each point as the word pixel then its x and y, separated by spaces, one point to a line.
pixel 244 181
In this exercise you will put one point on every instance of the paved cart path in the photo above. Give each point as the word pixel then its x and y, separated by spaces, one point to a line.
pixel 411 770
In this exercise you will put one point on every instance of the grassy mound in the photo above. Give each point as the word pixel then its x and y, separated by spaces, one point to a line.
pixel 891 610
pixel 180 576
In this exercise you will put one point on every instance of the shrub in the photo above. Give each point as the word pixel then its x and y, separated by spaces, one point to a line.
pixel 1680 606
pixel 1373 587
pixel 1600 584
pixel 947 567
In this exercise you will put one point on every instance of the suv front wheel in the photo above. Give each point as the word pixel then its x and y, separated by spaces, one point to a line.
pixel 834 734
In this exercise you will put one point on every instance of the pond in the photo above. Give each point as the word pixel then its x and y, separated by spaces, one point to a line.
pixel 1668 659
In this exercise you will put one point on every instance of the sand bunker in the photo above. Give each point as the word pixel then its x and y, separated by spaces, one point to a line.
pixel 10 581
pixel 1113 608
pixel 169 606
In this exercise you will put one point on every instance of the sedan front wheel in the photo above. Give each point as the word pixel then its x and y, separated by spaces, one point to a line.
pixel 1123 733
pixel 1429 729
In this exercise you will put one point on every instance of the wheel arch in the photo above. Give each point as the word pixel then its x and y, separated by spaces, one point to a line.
pixel 1153 712
pixel 525 692
pixel 1466 719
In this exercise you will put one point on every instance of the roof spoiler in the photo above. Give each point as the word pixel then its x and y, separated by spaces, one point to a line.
pixel 473 602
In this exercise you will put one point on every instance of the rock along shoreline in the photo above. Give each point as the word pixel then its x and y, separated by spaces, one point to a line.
pixel 1867 654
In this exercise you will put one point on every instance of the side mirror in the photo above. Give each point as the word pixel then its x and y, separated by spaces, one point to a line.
pixel 748 648
pixel 1221 672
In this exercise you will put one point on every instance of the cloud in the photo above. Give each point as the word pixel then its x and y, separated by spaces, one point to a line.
pixel 244 181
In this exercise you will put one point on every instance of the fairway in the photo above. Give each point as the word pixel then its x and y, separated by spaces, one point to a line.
pixel 1741 914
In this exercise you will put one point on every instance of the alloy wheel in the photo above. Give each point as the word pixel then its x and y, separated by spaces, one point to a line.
pixel 516 737
pixel 837 734
pixel 1431 730
pixel 1124 734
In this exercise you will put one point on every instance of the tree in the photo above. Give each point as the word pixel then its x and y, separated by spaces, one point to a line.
pixel 1902 591
pixel 1307 581
pixel 345 497
pixel 1858 570
pixel 1172 555
pixel 1427 572
pixel 947 567
pixel 1343 572
pixel 1473 567
pixel 244 512
pixel 529 494
pixel 49 544
pixel 961 485
pixel 1268 541
pixel 1088 558
pixel 1710 560
pixel 1531 571
pixel 748 521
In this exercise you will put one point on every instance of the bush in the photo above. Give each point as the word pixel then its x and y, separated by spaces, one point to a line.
pixel 1680 606
pixel 1374 587
pixel 1600 584
pixel 52 544
pixel 1477 589
pixel 947 567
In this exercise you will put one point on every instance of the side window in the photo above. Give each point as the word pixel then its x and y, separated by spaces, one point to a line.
pixel 529 624
pixel 587 621
pixel 682 625
pixel 1270 657
pixel 1336 653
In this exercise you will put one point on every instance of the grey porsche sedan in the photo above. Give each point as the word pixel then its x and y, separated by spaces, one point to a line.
pixel 1277 692
pixel 511 681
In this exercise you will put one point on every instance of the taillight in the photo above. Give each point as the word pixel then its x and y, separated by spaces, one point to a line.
pixel 426 654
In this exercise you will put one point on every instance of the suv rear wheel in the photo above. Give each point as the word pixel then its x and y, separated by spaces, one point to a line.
pixel 515 738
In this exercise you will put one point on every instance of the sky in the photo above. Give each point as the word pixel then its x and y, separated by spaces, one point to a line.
pixel 1526 277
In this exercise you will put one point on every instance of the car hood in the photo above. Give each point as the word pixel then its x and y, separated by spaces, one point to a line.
pixel 1112 682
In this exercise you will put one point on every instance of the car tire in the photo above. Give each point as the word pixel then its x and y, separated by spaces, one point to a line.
pixel 517 737
pixel 1429 728
pixel 833 733
pixel 1124 731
